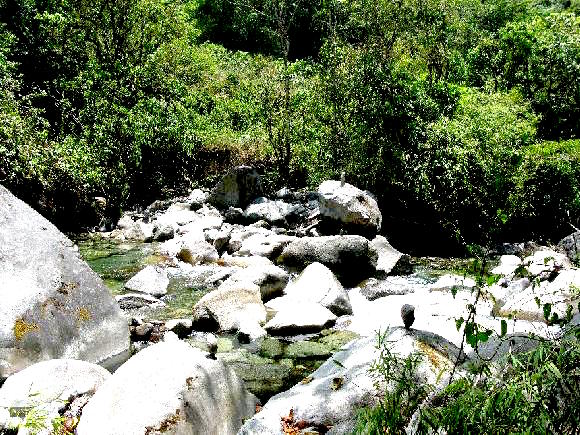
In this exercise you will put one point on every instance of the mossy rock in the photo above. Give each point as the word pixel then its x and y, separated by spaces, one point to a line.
pixel 336 339
pixel 271 348
pixel 307 350
pixel 224 344
pixel 262 376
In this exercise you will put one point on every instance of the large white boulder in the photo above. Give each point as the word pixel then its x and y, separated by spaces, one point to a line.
pixel 233 304
pixel 168 387
pixel 52 304
pixel 347 204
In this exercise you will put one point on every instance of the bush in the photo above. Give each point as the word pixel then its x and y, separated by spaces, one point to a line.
pixel 546 194
pixel 536 392
pixel 464 169
pixel 541 56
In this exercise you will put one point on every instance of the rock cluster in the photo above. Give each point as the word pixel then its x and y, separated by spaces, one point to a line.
pixel 279 270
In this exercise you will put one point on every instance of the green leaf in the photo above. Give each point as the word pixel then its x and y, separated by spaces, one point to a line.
pixel 492 279
pixel 503 328
pixel 547 310
pixel 483 336
pixel 459 322
pixel 552 368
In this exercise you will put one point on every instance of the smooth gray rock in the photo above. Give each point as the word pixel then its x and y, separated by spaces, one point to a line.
pixel 571 245
pixel 48 385
pixel 151 280
pixel 318 284
pixel 354 208
pixel 168 387
pixel 408 315
pixel 389 260
pixel 52 304
pixel 237 188
pixel 351 258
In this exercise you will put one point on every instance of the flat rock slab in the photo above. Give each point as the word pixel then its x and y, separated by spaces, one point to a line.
pixel 52 304
pixel 298 317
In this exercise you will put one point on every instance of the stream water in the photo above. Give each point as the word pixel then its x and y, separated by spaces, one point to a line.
pixel 267 366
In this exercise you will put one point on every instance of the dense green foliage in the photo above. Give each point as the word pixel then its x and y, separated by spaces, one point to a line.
pixel 462 116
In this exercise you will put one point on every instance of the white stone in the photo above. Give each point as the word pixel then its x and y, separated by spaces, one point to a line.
pixel 52 305
pixel 47 385
pixel 342 385
pixel 151 280
pixel 318 284
pixel 232 304
pixel 544 261
pixel 389 259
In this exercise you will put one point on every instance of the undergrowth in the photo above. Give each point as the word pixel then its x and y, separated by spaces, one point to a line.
pixel 533 392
